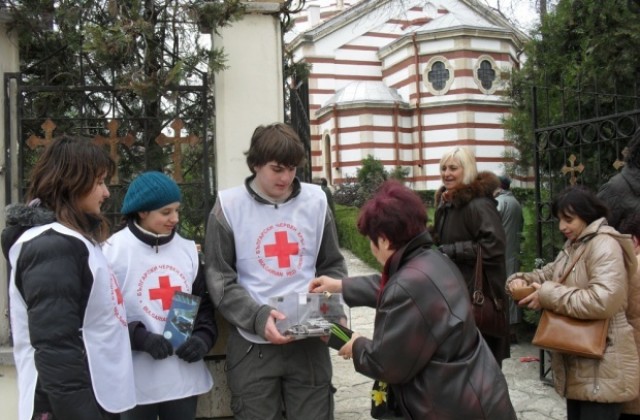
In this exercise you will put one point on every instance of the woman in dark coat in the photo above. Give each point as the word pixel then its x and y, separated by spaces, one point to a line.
pixel 467 218
pixel 425 343
pixel 622 192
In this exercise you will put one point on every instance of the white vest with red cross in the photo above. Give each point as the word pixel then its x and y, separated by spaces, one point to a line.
pixel 276 246
pixel 149 277
pixel 104 333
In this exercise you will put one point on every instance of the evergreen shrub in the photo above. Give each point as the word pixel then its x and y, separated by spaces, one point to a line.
pixel 350 238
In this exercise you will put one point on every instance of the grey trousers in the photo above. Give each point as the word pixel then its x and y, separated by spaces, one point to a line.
pixel 182 409
pixel 267 380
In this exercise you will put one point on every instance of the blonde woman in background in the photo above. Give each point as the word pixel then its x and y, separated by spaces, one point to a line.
pixel 467 220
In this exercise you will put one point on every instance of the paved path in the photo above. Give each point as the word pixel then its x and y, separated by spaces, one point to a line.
pixel 532 399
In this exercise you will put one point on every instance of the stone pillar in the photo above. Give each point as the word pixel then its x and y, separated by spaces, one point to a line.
pixel 249 93
pixel 9 63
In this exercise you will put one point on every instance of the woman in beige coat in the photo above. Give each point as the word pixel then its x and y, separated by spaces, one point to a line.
pixel 631 225
pixel 596 288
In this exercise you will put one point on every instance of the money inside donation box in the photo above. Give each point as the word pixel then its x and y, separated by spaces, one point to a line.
pixel 310 314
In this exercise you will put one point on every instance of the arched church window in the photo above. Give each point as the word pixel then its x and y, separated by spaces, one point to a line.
pixel 486 74
pixel 438 75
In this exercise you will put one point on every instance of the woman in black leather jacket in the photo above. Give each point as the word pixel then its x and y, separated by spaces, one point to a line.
pixel 425 342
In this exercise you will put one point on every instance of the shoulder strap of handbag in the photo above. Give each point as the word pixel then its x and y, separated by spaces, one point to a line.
pixel 478 270
pixel 478 293
pixel 573 264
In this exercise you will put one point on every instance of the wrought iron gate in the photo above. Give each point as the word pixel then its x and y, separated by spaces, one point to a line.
pixel 175 137
pixel 588 151
pixel 299 120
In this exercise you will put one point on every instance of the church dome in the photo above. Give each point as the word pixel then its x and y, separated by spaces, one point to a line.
pixel 365 92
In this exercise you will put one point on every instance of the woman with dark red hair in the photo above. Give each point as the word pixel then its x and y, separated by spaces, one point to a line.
pixel 425 343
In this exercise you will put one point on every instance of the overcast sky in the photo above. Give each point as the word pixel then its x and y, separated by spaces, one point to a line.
pixel 522 12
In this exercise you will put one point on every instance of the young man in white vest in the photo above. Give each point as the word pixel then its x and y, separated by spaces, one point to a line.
pixel 268 238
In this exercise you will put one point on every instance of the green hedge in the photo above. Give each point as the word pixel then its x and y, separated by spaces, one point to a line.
pixel 350 238
pixel 427 196
pixel 526 196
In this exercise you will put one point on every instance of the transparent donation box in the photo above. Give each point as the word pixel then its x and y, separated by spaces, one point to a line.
pixel 310 314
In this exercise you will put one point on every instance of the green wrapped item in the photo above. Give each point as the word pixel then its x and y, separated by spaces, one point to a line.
pixel 339 336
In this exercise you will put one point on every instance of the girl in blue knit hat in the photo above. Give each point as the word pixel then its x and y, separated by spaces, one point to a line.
pixel 152 262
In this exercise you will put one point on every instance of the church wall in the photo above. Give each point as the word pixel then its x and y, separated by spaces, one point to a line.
pixel 367 131
pixel 465 113
pixel 488 117
pixel 484 44
pixel 356 54
pixel 349 68
pixel 485 134
pixel 396 79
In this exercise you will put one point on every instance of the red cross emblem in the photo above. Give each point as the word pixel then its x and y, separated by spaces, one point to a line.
pixel 164 292
pixel 283 249
pixel 118 296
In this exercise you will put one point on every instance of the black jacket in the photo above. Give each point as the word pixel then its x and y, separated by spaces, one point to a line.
pixel 622 194
pixel 54 278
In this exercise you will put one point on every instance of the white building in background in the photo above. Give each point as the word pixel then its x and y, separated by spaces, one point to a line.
pixel 404 81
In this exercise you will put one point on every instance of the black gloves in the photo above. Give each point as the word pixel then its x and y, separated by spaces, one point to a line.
pixel 449 250
pixel 157 346
pixel 193 349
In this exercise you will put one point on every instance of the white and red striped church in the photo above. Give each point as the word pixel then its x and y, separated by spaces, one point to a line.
pixel 404 81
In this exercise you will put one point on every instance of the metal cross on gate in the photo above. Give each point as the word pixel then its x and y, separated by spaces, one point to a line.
pixel 113 141
pixel 34 141
pixel 177 142
pixel 620 163
pixel 572 168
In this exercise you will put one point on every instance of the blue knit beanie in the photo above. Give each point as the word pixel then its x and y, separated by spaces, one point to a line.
pixel 150 191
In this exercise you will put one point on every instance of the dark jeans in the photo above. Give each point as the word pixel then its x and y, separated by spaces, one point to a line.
pixel 589 410
pixel 182 409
